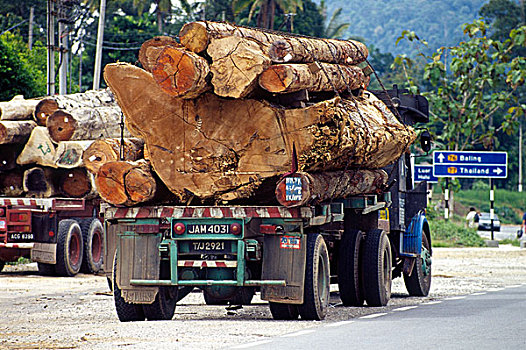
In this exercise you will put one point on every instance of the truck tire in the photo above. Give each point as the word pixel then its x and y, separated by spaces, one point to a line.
pixel 92 235
pixel 281 311
pixel 350 276
pixel 46 269
pixel 69 248
pixel 317 280
pixel 163 308
pixel 2 264
pixel 419 282
pixel 377 266
pixel 126 312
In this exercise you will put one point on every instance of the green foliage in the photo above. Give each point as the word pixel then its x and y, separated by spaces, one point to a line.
pixel 22 72
pixel 513 242
pixel 450 234
pixel 480 185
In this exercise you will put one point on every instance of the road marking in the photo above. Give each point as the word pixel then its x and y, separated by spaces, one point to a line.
pixel 479 293
pixel 433 302
pixel 515 286
pixel 295 334
pixel 405 308
pixel 495 289
pixel 337 324
pixel 375 315
pixel 250 345
pixel 456 298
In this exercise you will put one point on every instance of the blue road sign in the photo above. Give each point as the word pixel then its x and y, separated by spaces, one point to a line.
pixel 470 164
pixel 424 173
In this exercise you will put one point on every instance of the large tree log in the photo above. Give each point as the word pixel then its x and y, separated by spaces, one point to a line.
pixel 17 109
pixel 8 155
pixel 11 183
pixel 39 182
pixel 76 183
pixel 15 131
pixel 225 148
pixel 39 149
pixel 282 48
pixel 85 124
pixel 69 154
pixel 181 73
pixel 236 64
pixel 285 78
pixel 303 188
pixel 126 183
pixel 150 50
pixel 89 99
pixel 108 150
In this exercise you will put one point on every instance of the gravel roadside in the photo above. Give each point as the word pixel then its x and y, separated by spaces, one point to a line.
pixel 39 312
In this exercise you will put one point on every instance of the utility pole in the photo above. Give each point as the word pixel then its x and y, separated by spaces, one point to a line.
pixel 50 47
pixel 63 69
pixel 30 36
pixel 98 54
pixel 520 156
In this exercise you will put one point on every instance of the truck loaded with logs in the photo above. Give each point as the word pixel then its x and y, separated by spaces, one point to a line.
pixel 267 167
pixel 49 150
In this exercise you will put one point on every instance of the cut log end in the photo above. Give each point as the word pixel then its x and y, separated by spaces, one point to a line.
pixel 275 79
pixel 194 36
pixel 280 51
pixel 151 49
pixel 45 109
pixel 75 183
pixel 61 126
pixel 181 73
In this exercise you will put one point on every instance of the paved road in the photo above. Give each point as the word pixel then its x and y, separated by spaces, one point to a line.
pixel 486 320
pixel 506 232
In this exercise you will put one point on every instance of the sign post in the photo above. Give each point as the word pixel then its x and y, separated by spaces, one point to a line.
pixel 492 165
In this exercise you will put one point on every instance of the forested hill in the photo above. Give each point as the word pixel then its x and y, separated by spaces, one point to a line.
pixel 380 22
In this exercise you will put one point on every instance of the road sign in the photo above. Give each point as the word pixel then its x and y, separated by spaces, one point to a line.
pixel 424 173
pixel 470 164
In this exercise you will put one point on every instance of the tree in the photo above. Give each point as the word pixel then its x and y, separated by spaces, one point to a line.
pixel 266 9
pixel 334 27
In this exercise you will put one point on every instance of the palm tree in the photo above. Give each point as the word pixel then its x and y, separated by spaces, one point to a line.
pixel 161 7
pixel 334 28
pixel 267 8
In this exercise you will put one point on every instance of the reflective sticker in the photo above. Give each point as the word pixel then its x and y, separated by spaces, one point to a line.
pixel 289 242
pixel 293 188
pixel 383 214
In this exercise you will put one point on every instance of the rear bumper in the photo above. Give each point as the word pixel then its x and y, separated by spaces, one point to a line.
pixel 17 245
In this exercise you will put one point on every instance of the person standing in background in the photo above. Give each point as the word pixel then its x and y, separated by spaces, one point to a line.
pixel 470 217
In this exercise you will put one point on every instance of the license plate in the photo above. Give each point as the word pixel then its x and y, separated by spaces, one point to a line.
pixel 19 237
pixel 208 228
pixel 203 247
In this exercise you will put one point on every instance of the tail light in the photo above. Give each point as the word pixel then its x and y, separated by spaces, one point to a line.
pixel 2 211
pixel 179 228
pixel 235 228
pixel 19 217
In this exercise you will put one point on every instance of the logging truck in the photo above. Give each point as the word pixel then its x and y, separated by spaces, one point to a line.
pixel 291 253
pixel 63 235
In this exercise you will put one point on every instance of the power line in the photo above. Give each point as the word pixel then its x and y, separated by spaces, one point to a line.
pixel 13 27
pixel 112 47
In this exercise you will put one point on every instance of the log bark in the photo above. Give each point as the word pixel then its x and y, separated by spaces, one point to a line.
pixel 225 148
pixel 39 149
pixel 17 109
pixel 285 78
pixel 126 183
pixel 15 131
pixel 89 99
pixel 69 154
pixel 11 183
pixel 8 155
pixel 282 48
pixel 236 65
pixel 38 182
pixel 150 50
pixel 312 188
pixel 85 124
pixel 108 150
pixel 76 183
pixel 181 73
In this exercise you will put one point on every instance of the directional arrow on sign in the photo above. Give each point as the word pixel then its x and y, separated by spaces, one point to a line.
pixel 441 157
pixel 498 171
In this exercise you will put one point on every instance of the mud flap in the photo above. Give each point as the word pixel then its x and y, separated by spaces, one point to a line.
pixel 284 259
pixel 44 253
pixel 138 258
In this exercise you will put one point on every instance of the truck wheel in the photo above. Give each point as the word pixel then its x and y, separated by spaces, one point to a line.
pixel 163 308
pixel 377 266
pixel 317 280
pixel 281 311
pixel 46 269
pixel 92 234
pixel 419 282
pixel 2 264
pixel 243 296
pixel 350 279
pixel 69 248
pixel 125 311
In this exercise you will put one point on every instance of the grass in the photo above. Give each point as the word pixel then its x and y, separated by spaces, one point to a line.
pixel 20 261
pixel 451 234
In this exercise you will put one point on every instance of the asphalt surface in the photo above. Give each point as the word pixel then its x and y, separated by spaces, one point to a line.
pixel 506 232
pixel 483 320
